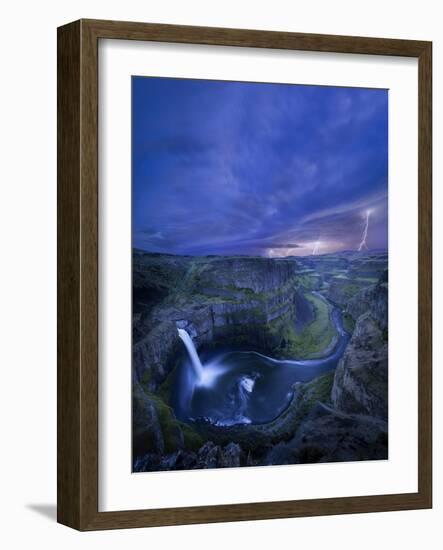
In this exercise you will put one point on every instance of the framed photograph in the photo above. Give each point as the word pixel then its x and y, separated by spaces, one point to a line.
pixel 244 275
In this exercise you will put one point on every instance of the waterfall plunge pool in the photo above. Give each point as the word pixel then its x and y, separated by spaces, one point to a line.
pixel 244 387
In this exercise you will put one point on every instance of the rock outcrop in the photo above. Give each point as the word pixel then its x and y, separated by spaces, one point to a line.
pixel 343 289
pixel 258 275
pixel 361 378
pixel 304 312
pixel 147 435
pixel 327 435
pixel 208 456
pixel 373 299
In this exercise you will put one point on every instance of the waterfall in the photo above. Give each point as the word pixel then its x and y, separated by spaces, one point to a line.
pixel 189 344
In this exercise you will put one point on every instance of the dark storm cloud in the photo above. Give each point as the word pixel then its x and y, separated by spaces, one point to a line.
pixel 223 167
pixel 277 245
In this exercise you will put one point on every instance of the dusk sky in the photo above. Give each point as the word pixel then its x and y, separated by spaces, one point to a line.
pixel 259 169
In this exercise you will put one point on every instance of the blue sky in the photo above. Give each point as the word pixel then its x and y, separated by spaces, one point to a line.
pixel 247 168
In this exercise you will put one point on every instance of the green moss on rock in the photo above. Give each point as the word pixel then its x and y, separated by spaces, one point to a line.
pixel 318 389
pixel 192 440
pixel 313 339
pixel 348 323
pixel 176 434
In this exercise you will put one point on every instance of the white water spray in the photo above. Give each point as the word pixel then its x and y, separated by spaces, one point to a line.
pixel 315 249
pixel 204 375
pixel 245 388
pixel 195 359
pixel 365 233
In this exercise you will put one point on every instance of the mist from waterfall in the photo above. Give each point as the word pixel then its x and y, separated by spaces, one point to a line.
pixel 204 375
pixel 195 359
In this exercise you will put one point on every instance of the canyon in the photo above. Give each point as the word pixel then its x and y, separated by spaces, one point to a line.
pixel 285 310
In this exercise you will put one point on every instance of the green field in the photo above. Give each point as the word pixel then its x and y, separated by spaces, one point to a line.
pixel 314 338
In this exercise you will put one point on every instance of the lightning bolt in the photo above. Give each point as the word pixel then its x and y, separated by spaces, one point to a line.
pixel 365 233
pixel 315 249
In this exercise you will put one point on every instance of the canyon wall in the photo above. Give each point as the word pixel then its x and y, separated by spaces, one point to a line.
pixel 215 299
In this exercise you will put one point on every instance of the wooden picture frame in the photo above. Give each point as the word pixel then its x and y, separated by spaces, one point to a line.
pixel 78 274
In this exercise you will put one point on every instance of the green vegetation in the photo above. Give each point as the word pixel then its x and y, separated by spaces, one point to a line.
pixel 193 440
pixel 146 379
pixel 350 289
pixel 346 287
pixel 370 280
pixel 348 323
pixel 312 340
pixel 283 428
pixel 309 281
pixel 171 427
pixel 168 423
pixel 164 390
pixel 318 389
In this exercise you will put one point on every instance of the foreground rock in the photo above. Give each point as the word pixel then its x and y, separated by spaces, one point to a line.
pixel 208 456
pixel 328 435
pixel 146 431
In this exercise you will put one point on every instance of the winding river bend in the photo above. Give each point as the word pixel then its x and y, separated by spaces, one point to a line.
pixel 245 387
